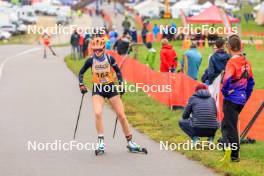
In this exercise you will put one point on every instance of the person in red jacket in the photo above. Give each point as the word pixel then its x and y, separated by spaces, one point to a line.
pixel 168 57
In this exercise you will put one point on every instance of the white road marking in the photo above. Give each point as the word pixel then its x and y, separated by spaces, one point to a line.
pixel 14 56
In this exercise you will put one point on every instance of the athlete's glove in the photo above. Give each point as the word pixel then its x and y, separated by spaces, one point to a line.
pixel 83 89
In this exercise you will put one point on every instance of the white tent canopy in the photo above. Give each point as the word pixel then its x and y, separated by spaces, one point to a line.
pixel 149 8
pixel 260 15
pixel 207 5
pixel 226 6
pixel 183 5
pixel 195 9
pixel 257 8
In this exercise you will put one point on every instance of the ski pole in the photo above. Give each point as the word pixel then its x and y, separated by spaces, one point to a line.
pixel 115 127
pixel 78 117
pixel 115 124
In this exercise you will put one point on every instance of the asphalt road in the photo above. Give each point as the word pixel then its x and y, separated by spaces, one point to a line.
pixel 39 101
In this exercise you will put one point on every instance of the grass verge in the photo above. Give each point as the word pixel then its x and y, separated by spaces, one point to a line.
pixel 21 39
pixel 161 124
pixel 255 57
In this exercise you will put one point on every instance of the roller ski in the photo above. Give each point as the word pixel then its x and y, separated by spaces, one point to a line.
pixel 135 148
pixel 100 147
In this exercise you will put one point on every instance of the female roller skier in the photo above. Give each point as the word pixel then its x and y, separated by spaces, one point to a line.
pixel 103 67
pixel 46 43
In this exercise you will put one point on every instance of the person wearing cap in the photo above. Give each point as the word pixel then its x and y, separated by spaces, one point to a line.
pixel 168 57
pixel 199 116
pixel 191 62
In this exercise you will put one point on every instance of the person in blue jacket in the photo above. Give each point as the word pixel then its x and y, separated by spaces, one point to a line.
pixel 217 62
pixel 199 116
pixel 191 62
pixel 155 30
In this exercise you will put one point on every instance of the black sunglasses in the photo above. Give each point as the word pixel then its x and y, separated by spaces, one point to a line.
pixel 98 50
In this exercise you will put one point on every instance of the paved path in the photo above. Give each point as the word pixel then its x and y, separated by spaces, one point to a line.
pixel 39 100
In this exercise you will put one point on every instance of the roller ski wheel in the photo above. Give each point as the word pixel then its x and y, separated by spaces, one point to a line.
pixel 137 150
pixel 99 152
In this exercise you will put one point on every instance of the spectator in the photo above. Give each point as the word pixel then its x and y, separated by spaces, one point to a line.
pixel 237 87
pixel 155 30
pixel 122 45
pixel 151 55
pixel 168 57
pixel 81 43
pixel 107 43
pixel 217 62
pixel 113 37
pixel 172 31
pixel 191 62
pixel 165 33
pixel 133 33
pixel 246 16
pixel 126 24
pixel 87 39
pixel 144 33
pixel 75 37
pixel 199 116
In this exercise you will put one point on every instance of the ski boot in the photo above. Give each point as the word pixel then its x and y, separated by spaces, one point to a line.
pixel 100 150
pixel 135 148
pixel 100 146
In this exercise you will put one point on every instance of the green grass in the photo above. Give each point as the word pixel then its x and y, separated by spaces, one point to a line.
pixel 21 39
pixel 255 57
pixel 178 22
pixel 161 124
pixel 251 26
pixel 62 44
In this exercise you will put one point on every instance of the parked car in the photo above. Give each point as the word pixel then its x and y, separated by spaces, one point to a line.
pixel 20 26
pixel 4 35
pixel 63 20
pixel 9 28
